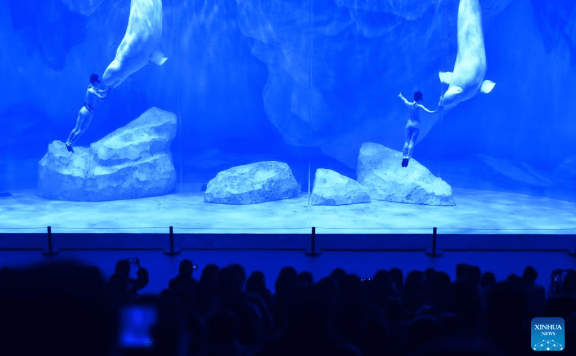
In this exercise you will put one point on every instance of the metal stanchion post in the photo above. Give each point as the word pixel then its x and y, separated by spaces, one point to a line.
pixel 172 249
pixel 50 250
pixel 312 250
pixel 434 251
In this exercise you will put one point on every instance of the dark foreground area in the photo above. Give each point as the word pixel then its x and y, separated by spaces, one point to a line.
pixel 67 308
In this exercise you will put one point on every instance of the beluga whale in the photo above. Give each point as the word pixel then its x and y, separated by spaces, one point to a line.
pixel 467 78
pixel 138 47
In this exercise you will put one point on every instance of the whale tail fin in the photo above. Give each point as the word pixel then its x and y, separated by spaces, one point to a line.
pixel 487 86
pixel 157 58
pixel 445 77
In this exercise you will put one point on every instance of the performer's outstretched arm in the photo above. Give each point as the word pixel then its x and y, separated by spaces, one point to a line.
pixel 429 112
pixel 404 99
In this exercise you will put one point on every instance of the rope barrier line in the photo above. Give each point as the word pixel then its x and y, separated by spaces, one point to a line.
pixel 282 228
pixel 23 228
pixel 243 228
pixel 155 227
pixel 373 228
pixel 533 229
pixel 443 228
pixel 79 228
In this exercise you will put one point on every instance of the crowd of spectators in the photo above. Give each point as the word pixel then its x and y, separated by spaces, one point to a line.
pixel 69 309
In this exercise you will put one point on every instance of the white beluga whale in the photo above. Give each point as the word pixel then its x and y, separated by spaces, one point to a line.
pixel 138 47
pixel 467 79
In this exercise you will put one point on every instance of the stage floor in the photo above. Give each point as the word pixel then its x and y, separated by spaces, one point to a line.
pixel 475 212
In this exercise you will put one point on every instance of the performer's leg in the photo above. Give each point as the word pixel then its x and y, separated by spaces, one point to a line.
pixel 84 118
pixel 408 134
pixel 75 129
pixel 412 143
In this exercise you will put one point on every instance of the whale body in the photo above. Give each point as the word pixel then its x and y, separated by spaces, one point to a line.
pixel 138 47
pixel 467 78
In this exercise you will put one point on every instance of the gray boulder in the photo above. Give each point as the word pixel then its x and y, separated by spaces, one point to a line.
pixel 131 162
pixel 332 188
pixel 380 171
pixel 252 184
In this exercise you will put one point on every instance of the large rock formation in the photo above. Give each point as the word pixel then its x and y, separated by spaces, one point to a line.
pixel 132 162
pixel 252 184
pixel 332 188
pixel 380 171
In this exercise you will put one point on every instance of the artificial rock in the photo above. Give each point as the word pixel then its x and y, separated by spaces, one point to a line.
pixel 381 173
pixel 131 162
pixel 252 184
pixel 332 188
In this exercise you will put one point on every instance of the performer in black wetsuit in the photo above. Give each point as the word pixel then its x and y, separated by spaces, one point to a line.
pixel 85 114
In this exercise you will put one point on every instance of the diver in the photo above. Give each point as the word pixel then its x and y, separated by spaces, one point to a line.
pixel 413 124
pixel 86 112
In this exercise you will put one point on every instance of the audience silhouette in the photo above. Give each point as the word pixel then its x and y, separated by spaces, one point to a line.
pixel 66 308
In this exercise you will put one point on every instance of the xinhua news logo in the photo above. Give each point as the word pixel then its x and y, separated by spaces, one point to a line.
pixel 548 334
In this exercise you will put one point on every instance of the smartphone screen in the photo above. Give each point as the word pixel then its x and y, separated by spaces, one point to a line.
pixel 133 268
pixel 136 322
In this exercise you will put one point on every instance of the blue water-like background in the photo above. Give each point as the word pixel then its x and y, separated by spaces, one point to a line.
pixel 301 81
